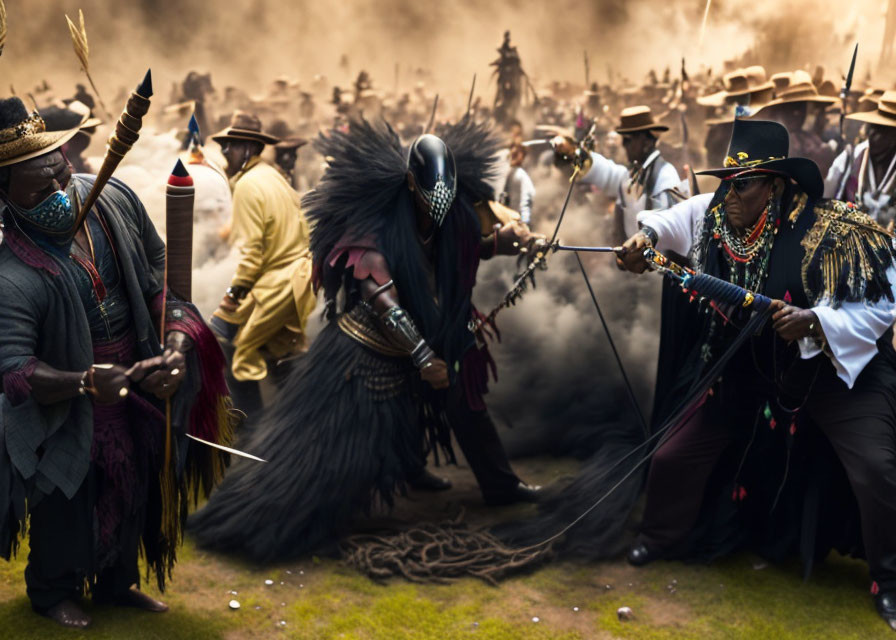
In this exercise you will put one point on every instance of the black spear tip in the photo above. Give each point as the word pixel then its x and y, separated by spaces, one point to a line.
pixel 145 88
pixel 180 170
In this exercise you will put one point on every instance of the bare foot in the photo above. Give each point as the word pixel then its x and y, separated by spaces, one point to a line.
pixel 139 600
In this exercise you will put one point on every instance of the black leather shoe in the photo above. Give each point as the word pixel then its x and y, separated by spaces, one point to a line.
pixel 886 607
pixel 68 614
pixel 522 492
pixel 427 481
pixel 639 555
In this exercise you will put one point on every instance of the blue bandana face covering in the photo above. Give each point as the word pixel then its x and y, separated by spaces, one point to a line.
pixel 55 214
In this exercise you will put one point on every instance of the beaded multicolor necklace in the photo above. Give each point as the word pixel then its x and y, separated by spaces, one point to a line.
pixel 748 256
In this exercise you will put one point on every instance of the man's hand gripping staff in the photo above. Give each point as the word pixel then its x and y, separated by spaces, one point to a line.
pixel 579 157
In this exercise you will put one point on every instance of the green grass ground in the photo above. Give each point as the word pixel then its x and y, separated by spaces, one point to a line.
pixel 736 598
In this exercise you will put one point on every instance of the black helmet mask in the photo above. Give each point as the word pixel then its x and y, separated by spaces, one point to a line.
pixel 435 174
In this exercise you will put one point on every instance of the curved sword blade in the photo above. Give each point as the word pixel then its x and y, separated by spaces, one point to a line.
pixel 235 452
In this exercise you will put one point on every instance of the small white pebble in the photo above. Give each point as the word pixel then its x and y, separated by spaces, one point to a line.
pixel 234 604
pixel 301 573
pixel 281 582
pixel 301 586
pixel 283 623
pixel 575 609
pixel 269 582
pixel 536 619
pixel 288 572
pixel 233 593
pixel 258 607
pixel 282 604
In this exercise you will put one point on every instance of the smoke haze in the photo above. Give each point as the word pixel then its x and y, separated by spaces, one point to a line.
pixel 247 43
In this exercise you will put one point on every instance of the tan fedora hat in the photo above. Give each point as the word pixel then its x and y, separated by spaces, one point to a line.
pixel 800 89
pixel 640 118
pixel 27 137
pixel 781 80
pixel 869 99
pixel 738 83
pixel 245 126
pixel 884 115
pixel 748 80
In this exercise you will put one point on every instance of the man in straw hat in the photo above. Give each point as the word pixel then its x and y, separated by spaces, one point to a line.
pixel 747 91
pixel 648 182
pixel 85 378
pixel 792 105
pixel 867 175
pixel 263 314
pixel 824 365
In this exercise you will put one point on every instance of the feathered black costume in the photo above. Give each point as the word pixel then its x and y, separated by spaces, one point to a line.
pixel 347 429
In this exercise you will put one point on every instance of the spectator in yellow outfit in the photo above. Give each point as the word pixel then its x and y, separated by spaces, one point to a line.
pixel 262 317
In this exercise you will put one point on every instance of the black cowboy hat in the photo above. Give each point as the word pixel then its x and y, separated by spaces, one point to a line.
pixel 762 146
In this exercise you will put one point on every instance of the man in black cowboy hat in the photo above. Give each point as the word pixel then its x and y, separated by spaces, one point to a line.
pixel 803 406
pixel 84 377
pixel 867 176
pixel 263 314
pixel 648 182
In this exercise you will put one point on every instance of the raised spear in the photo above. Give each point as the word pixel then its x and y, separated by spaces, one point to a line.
pixel 847 85
pixel 844 96
pixel 79 42
pixel 470 98
pixel 432 116
pixel 127 130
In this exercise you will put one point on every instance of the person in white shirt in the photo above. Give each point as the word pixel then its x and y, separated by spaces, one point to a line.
pixel 866 174
pixel 824 365
pixel 519 191
pixel 648 182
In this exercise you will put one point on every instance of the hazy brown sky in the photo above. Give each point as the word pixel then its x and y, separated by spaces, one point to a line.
pixel 249 42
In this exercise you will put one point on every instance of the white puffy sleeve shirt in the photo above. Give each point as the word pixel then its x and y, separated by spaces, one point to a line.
pixel 851 331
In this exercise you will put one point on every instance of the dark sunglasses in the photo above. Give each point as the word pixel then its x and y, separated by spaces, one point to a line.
pixel 742 184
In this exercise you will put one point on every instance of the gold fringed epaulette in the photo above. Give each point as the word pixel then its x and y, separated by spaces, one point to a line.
pixel 846 257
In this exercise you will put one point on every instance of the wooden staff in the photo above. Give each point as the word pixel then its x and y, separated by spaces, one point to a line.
pixel 127 131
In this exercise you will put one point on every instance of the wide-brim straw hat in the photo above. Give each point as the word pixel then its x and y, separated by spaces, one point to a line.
pixel 27 137
pixel 245 126
pixel 746 81
pixel 884 115
pixel 640 118
pixel 737 84
pixel 800 89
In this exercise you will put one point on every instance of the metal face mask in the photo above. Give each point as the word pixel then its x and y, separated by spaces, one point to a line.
pixel 54 216
pixel 432 163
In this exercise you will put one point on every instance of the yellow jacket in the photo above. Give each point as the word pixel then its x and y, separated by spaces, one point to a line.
pixel 271 232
